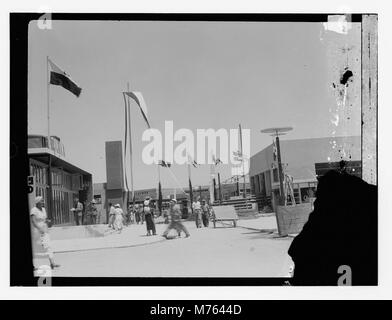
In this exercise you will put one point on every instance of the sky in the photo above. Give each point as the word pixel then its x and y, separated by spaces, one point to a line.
pixel 199 75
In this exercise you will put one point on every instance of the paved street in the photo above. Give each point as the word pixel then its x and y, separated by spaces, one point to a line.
pixel 253 249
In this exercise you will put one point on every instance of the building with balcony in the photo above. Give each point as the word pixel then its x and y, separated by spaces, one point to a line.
pixel 56 179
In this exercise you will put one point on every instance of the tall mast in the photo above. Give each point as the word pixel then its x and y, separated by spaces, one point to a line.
pixel 48 97
pixel 130 146
pixel 243 161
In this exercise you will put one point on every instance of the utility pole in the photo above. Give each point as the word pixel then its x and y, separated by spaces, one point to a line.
pixel 243 164
pixel 276 132
pixel 220 189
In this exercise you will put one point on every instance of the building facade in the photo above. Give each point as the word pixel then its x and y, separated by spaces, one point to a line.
pixel 304 160
pixel 57 180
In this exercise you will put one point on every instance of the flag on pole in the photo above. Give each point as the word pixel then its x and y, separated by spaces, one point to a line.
pixel 216 161
pixel 58 77
pixel 138 98
pixel 192 161
pixel 165 164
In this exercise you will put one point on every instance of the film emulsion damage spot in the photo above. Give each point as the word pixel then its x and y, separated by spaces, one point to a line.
pixel 347 75
pixel 345 206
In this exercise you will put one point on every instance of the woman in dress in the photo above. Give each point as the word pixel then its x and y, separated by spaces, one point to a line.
pixel 137 214
pixel 38 219
pixel 148 216
pixel 141 213
pixel 118 218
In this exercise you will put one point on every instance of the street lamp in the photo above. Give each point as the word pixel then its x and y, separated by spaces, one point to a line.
pixel 276 132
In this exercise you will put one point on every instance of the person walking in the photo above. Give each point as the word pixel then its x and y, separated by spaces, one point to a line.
pixel 78 212
pixel 197 210
pixel 112 215
pixel 137 214
pixel 205 213
pixel 131 215
pixel 149 217
pixel 39 220
pixel 175 222
pixel 92 212
pixel 141 213
pixel 118 218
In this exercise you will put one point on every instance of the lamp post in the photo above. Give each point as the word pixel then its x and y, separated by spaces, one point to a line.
pixel 276 132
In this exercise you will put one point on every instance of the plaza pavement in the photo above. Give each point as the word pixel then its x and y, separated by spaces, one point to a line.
pixel 252 249
pixel 135 235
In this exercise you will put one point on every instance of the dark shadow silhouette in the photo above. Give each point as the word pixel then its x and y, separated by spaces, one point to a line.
pixel 342 230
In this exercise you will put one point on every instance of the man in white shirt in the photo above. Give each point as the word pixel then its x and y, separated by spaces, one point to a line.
pixel 197 210
pixel 78 212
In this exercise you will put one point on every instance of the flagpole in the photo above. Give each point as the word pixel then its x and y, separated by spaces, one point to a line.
pixel 159 185
pixel 220 189
pixel 189 171
pixel 48 97
pixel 212 187
pixel 190 185
pixel 159 173
pixel 49 194
pixel 130 147
pixel 243 164
pixel 212 176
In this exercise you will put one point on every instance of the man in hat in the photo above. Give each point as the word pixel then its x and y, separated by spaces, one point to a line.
pixel 175 222
pixel 205 212
pixel 92 212
pixel 197 210
pixel 78 212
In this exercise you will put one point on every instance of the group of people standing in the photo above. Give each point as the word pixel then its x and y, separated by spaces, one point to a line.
pixel 117 219
pixel 85 214
pixel 137 214
pixel 144 212
pixel 202 212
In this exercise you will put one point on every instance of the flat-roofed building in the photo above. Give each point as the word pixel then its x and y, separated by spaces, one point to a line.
pixel 56 179
pixel 304 160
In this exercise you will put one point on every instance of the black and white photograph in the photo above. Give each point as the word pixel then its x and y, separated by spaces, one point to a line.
pixel 195 149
